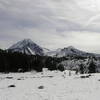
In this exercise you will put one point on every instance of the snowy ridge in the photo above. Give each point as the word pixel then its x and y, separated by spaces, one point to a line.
pixel 69 51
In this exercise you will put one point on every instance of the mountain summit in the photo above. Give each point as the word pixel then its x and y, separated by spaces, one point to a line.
pixel 27 46
pixel 68 51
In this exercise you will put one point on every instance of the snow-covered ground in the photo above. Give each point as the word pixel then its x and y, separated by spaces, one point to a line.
pixel 49 86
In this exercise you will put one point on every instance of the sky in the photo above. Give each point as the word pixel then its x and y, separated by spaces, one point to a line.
pixel 51 23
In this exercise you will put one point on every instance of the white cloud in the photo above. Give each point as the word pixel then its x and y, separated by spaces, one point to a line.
pixel 51 23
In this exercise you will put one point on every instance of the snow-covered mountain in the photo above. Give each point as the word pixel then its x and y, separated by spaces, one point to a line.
pixel 27 46
pixel 69 51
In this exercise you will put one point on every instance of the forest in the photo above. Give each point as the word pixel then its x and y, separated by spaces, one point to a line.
pixel 18 62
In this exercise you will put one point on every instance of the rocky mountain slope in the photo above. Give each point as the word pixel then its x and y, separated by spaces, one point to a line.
pixel 27 46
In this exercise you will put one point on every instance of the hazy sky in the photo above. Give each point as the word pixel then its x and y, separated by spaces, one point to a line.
pixel 51 23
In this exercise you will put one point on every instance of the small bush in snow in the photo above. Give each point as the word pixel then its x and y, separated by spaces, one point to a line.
pixel 61 67
pixel 41 87
pixel 11 86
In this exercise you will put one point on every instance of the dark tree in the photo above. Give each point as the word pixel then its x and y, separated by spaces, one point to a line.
pixel 81 68
pixel 92 66
pixel 60 67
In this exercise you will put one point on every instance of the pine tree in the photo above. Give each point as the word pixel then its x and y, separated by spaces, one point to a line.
pixel 81 68
pixel 60 67
pixel 92 66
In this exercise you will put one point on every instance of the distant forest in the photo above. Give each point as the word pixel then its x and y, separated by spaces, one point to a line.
pixel 14 62
pixel 18 62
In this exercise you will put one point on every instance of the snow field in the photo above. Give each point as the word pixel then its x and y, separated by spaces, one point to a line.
pixel 54 86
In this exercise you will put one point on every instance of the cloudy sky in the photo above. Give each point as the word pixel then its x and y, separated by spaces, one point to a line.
pixel 51 23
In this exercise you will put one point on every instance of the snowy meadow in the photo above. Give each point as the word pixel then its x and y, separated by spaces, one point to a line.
pixel 51 85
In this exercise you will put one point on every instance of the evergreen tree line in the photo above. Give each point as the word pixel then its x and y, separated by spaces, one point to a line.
pixel 15 62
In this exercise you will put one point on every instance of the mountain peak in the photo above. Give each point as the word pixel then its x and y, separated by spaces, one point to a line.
pixel 27 40
pixel 22 43
pixel 68 51
pixel 71 47
pixel 27 46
